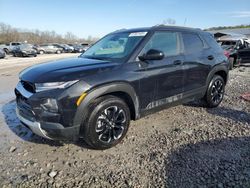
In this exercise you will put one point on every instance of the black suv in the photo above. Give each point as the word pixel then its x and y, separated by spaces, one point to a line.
pixel 124 76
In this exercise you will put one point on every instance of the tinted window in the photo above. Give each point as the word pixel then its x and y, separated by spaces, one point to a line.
pixel 211 41
pixel 163 41
pixel 192 42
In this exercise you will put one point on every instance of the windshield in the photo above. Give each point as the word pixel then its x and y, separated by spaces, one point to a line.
pixel 114 47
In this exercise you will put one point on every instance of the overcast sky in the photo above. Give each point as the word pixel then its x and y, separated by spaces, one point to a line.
pixel 99 17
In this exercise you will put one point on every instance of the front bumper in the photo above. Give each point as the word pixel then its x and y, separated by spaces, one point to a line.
pixel 56 126
pixel 34 126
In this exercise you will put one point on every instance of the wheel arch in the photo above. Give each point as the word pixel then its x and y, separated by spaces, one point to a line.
pixel 221 70
pixel 120 89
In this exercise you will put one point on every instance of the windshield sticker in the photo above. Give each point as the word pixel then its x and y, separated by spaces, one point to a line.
pixel 138 34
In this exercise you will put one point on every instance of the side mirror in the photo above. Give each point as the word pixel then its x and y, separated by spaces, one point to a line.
pixel 152 55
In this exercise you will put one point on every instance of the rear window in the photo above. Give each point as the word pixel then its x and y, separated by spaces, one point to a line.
pixel 192 42
pixel 210 40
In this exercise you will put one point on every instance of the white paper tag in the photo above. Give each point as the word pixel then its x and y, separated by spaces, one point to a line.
pixel 138 34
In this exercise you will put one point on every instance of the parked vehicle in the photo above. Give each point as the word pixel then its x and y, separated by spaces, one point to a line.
pixel 65 47
pixel 24 50
pixel 50 48
pixel 243 55
pixel 2 53
pixel 238 50
pixel 77 48
pixel 39 49
pixel 125 76
pixel 9 47
pixel 85 46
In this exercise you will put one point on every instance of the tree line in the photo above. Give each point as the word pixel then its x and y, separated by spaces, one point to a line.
pixel 11 34
pixel 229 27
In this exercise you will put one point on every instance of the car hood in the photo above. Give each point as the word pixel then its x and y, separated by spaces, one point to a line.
pixel 65 70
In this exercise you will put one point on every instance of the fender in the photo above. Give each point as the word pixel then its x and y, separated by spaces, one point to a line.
pixel 102 90
pixel 221 67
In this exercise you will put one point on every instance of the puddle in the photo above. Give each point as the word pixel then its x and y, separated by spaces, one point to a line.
pixel 12 130
pixel 6 96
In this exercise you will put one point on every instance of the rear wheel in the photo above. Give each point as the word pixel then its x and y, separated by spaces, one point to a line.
pixel 58 52
pixel 41 52
pixel 6 50
pixel 108 122
pixel 215 91
pixel 231 63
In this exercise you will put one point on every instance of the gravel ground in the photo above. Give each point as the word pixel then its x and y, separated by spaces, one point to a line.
pixel 184 146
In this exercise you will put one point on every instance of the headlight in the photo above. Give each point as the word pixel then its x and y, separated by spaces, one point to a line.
pixel 53 85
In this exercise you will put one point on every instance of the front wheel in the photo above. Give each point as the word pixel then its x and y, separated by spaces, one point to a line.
pixel 108 122
pixel 215 91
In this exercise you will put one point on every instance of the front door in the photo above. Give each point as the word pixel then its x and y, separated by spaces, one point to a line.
pixel 166 74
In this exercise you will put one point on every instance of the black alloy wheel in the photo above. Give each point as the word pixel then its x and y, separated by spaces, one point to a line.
pixel 111 124
pixel 215 91
pixel 106 122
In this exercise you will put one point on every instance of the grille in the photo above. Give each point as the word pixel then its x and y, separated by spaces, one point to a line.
pixel 24 107
pixel 28 86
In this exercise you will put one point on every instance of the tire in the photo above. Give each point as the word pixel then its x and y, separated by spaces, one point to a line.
pixel 6 50
pixel 107 123
pixel 231 63
pixel 58 52
pixel 41 52
pixel 215 92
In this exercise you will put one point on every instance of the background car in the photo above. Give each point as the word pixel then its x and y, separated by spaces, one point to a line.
pixel 66 48
pixel 50 48
pixel 85 46
pixel 2 53
pixel 39 49
pixel 9 46
pixel 77 48
pixel 236 49
pixel 24 50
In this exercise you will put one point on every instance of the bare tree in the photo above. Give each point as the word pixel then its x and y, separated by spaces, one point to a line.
pixel 11 34
pixel 169 21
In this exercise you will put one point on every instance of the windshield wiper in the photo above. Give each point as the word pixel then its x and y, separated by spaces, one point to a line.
pixel 93 57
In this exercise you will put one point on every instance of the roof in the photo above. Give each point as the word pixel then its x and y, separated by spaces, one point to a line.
pixel 158 27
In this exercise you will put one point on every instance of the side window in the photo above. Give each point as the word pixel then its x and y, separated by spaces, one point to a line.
pixel 210 40
pixel 163 41
pixel 192 42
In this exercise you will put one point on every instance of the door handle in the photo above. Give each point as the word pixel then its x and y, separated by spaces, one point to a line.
pixel 210 57
pixel 177 62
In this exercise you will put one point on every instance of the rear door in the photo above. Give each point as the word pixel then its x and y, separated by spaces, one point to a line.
pixel 197 62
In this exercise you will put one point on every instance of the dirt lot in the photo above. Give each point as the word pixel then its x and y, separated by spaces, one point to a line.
pixel 185 146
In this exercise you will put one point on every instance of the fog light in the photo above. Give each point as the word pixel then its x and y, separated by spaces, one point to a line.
pixel 50 105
